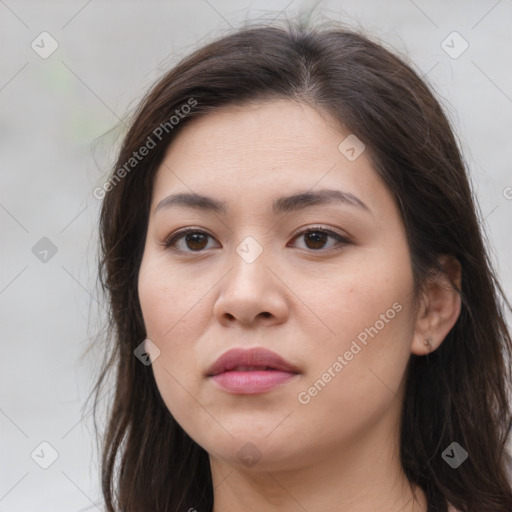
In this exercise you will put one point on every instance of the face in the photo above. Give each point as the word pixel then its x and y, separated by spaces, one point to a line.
pixel 323 281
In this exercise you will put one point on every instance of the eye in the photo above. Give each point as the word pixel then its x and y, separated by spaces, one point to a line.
pixel 315 238
pixel 195 240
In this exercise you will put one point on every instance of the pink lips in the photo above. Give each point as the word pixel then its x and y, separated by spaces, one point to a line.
pixel 250 371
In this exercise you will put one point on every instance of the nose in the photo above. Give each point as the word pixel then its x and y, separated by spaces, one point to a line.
pixel 252 292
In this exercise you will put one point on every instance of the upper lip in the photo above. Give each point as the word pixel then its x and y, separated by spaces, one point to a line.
pixel 259 357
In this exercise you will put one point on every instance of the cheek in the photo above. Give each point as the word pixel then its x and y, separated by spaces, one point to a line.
pixel 170 301
pixel 174 317
pixel 360 368
pixel 165 304
pixel 354 384
pixel 368 294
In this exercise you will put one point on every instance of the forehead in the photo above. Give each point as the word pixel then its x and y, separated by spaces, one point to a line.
pixel 269 130
pixel 265 149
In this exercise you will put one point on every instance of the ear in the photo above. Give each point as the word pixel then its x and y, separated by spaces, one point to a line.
pixel 439 307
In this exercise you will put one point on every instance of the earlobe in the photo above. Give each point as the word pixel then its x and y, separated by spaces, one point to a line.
pixel 440 307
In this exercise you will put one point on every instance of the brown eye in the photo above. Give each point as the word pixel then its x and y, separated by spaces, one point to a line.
pixel 192 241
pixel 315 239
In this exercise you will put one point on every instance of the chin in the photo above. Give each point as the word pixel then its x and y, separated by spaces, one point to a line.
pixel 257 454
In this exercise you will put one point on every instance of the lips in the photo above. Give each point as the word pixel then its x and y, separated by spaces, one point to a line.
pixel 255 359
pixel 251 371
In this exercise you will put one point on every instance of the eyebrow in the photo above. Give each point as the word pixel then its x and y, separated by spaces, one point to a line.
pixel 281 205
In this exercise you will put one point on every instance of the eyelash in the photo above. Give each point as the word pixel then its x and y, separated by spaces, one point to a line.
pixel 170 242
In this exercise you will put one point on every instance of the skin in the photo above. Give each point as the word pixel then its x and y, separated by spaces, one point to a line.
pixel 306 301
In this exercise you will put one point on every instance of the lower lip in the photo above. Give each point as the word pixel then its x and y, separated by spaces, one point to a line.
pixel 249 383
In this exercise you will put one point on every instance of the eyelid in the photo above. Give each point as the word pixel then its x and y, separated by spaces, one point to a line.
pixel 180 233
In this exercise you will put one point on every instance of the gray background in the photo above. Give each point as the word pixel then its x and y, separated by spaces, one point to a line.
pixel 59 132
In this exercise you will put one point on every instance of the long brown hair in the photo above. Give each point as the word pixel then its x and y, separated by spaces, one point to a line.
pixel 459 393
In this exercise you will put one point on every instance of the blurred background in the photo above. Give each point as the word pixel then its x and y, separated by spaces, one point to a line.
pixel 70 73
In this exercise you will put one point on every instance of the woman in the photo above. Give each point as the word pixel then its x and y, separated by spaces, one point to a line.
pixel 303 314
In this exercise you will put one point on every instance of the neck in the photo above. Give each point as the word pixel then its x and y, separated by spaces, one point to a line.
pixel 362 475
pixel 314 490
